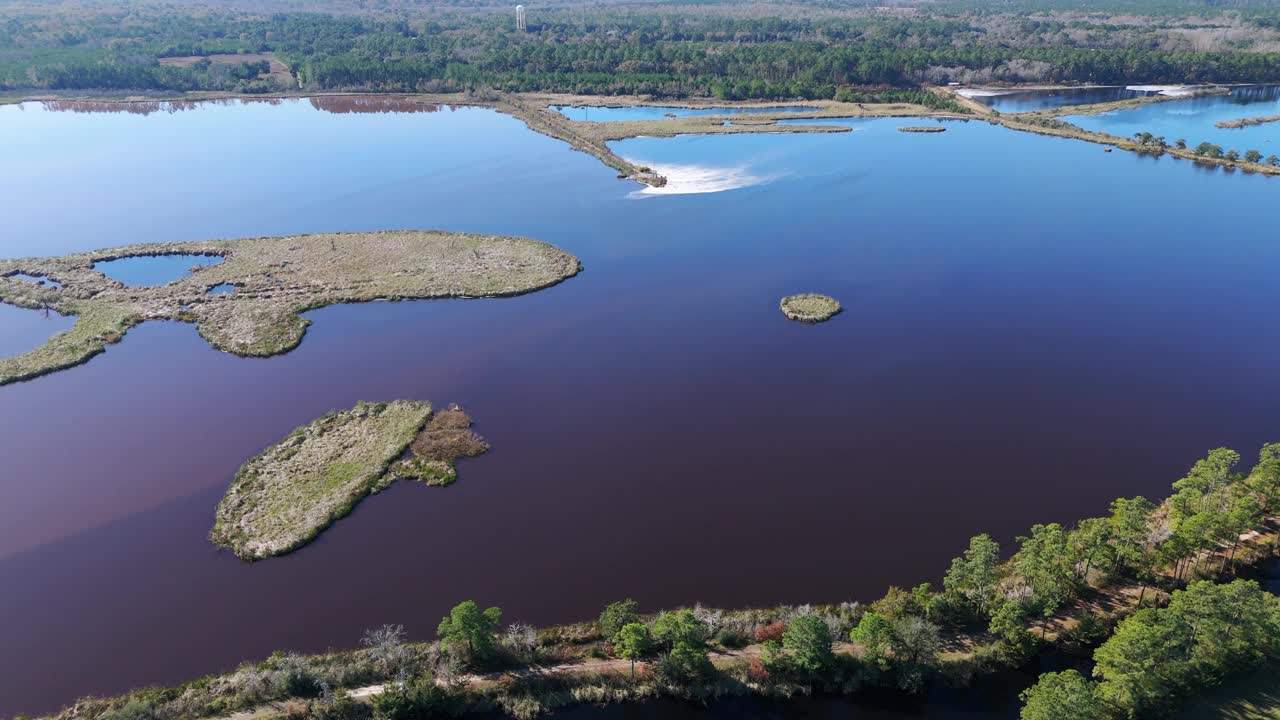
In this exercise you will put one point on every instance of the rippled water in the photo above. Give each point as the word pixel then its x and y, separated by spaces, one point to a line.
pixel 1032 327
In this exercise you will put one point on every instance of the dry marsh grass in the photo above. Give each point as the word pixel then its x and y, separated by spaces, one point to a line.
pixel 276 279
pixel 809 307
pixel 446 438
pixel 284 497
pixel 1247 122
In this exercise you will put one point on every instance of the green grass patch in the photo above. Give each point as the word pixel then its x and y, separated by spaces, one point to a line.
pixel 284 497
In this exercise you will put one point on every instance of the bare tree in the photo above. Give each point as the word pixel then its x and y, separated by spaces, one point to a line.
pixel 521 639
pixel 386 645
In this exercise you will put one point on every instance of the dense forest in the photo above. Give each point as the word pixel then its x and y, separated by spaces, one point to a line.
pixel 726 51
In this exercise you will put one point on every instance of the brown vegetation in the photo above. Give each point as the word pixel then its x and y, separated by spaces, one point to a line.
pixel 809 307
pixel 448 436
pixel 1247 122
pixel 276 280
pixel 284 497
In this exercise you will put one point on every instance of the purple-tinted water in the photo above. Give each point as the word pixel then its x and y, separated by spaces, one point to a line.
pixel 1032 328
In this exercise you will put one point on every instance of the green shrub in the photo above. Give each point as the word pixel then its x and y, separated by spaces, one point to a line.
pixel 615 616
pixel 341 707
pixel 1014 643
pixel 686 666
pixel 417 699
pixel 301 683
pixel 729 637
pixel 1088 630
pixel 132 710
pixel 680 628
pixel 809 641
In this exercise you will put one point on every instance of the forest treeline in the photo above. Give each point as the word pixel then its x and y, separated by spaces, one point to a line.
pixel 612 52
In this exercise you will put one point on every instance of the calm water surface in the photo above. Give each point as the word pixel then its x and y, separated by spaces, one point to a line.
pixel 654 112
pixel 1014 101
pixel 1022 342
pixel 37 279
pixel 23 330
pixel 1194 120
pixel 154 270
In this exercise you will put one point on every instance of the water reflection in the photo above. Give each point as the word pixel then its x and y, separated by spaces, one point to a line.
pixel 659 112
pixel 337 104
pixel 1014 101
pixel 345 104
pixel 148 107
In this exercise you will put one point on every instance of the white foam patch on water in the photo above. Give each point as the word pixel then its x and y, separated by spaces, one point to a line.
pixel 983 92
pixel 693 179
pixel 1170 90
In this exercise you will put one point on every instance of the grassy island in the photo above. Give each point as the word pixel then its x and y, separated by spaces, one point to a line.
pixel 284 497
pixel 275 280
pixel 1247 122
pixel 922 129
pixel 809 307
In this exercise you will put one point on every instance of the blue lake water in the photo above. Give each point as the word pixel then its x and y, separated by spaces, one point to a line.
pixel 1194 120
pixel 1021 343
pixel 654 112
pixel 154 269
pixel 1014 101
pixel 37 279
pixel 222 289
pixel 23 330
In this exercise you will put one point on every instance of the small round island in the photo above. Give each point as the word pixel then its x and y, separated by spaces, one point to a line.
pixel 809 307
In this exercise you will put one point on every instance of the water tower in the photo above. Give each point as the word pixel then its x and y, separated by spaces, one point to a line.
pixel 520 21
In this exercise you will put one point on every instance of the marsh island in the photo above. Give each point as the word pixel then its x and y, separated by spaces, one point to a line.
pixel 274 280
pixel 283 498
pixel 809 307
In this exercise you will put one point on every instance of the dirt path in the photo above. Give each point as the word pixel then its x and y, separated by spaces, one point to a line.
pixel 599 666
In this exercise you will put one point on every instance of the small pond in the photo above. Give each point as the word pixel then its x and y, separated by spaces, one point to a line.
pixel 223 289
pixel 37 279
pixel 655 112
pixel 153 269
